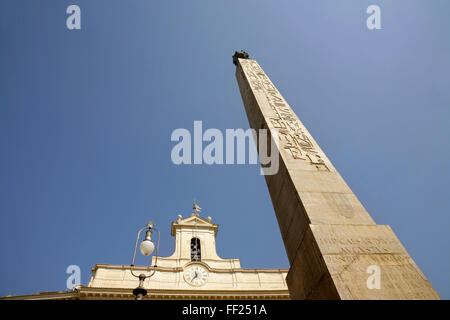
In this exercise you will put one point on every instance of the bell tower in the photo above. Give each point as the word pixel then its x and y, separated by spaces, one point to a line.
pixel 195 240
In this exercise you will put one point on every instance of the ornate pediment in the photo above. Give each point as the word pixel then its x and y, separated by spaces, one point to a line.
pixel 194 221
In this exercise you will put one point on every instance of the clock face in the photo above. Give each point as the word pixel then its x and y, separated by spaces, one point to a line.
pixel 196 275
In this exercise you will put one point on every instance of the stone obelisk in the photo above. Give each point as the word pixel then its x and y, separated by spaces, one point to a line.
pixel 335 249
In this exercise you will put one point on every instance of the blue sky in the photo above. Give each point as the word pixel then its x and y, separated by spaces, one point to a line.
pixel 86 118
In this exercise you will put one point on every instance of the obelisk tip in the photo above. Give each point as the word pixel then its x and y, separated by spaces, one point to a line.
pixel 239 54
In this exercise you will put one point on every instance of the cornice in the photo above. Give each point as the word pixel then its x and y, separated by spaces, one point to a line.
pixel 180 269
pixel 83 293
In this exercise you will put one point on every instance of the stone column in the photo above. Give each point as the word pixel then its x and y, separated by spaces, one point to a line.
pixel 335 249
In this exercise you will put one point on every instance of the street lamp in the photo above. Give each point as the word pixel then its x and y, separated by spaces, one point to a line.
pixel 147 247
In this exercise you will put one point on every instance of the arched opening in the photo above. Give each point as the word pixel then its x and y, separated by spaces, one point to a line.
pixel 195 249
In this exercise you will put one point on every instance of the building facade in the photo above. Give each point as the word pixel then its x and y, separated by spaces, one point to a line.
pixel 193 271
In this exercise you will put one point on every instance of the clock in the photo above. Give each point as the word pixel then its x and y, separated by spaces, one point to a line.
pixel 196 275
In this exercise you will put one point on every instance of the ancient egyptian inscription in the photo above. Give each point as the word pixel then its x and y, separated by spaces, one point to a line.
pixel 396 269
pixel 291 133
pixel 366 245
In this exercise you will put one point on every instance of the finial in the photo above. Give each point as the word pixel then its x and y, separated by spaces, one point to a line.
pixel 196 208
pixel 239 54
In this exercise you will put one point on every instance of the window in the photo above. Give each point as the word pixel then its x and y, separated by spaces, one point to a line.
pixel 195 249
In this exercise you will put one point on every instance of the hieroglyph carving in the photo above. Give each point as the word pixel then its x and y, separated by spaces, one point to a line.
pixel 292 136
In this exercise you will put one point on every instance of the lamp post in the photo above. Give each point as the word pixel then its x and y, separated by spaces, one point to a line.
pixel 147 247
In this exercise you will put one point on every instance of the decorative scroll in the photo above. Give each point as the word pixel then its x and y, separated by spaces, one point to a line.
pixel 292 135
